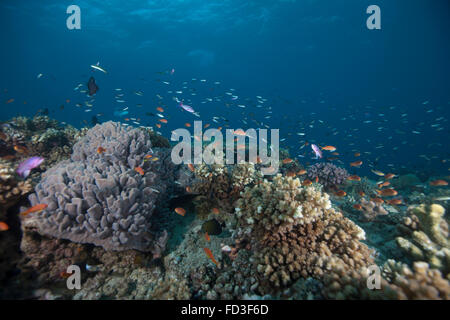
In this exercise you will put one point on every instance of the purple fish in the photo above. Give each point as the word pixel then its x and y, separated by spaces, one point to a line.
pixel 25 167
pixel 316 151
pixel 186 107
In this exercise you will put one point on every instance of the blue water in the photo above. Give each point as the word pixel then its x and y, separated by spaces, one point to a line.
pixel 304 57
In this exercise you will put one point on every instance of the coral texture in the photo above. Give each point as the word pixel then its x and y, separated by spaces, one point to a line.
pixel 371 210
pixel 427 238
pixel 295 233
pixel 329 175
pixel 98 197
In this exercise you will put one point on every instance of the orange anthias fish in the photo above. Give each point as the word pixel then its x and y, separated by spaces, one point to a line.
pixel 317 180
pixel 356 164
pixel 357 206
pixel 354 178
pixel 160 109
pixel 180 211
pixel 210 255
pixel 361 193
pixel 187 124
pixel 377 200
pixel 387 192
pixel 20 149
pixel 388 176
pixel 290 174
pixel 287 160
pixel 357 154
pixel 191 167
pixel 437 183
pixel 158 125
pixel 3 226
pixel 340 193
pixel 188 189
pixel 148 156
pixel 329 148
pixel 100 150
pixel 215 211
pixel 207 237
pixel 306 182
pixel 384 184
pixel 37 208
pixel 163 120
pixel 301 172
pixel 239 132
pixel 9 101
pixel 394 201
pixel 139 170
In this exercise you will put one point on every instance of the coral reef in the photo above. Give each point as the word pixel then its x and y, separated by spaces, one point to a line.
pixel 11 188
pixel 398 282
pixel 98 197
pixel 426 236
pixel 295 233
pixel 371 210
pixel 329 175
pixel 41 136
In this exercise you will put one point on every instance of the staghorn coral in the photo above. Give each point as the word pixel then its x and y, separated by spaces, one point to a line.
pixel 295 233
pixel 371 210
pixel 99 198
pixel 329 175
pixel 427 237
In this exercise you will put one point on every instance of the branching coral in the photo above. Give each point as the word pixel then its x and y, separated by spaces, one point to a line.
pixel 396 281
pixel 295 233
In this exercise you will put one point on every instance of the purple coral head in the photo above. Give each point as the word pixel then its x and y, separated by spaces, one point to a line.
pixel 329 175
pixel 26 166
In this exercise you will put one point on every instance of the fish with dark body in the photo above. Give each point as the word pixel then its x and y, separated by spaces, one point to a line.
pixel 92 86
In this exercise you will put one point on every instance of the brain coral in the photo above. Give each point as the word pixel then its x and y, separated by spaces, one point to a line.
pixel 329 175
pixel 99 198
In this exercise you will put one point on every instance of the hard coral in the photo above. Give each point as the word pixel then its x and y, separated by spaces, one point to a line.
pixel 98 197
pixel 11 188
pixel 427 240
pixel 295 233
pixel 329 175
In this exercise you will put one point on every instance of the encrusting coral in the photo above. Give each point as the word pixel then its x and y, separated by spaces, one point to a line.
pixel 98 197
